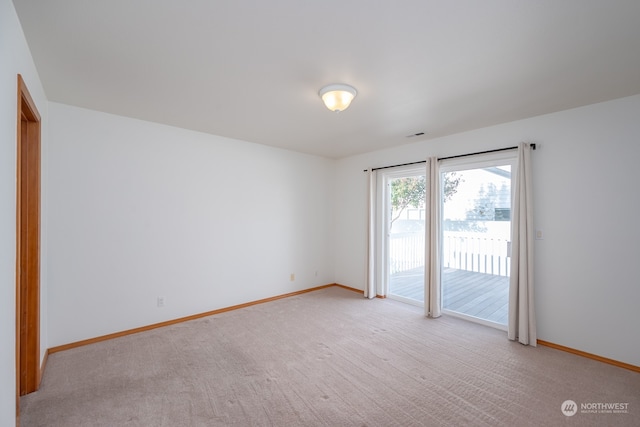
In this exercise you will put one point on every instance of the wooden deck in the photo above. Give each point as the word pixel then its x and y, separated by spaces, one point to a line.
pixel 481 295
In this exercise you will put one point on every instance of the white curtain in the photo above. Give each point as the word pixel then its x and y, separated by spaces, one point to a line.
pixel 522 316
pixel 370 287
pixel 432 300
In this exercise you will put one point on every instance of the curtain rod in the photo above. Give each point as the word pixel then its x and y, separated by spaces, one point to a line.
pixel 395 166
pixel 532 146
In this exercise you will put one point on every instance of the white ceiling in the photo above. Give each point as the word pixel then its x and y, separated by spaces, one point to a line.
pixel 251 70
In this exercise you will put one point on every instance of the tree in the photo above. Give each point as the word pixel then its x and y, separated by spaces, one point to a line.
pixel 406 192
pixel 485 204
pixel 411 191
pixel 450 185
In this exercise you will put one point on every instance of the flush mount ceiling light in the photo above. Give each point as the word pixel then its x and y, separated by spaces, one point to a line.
pixel 337 97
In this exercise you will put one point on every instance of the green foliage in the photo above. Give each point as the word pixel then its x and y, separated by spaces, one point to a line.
pixel 450 185
pixel 407 192
pixel 410 192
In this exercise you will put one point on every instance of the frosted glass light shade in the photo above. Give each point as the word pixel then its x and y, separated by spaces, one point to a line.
pixel 337 97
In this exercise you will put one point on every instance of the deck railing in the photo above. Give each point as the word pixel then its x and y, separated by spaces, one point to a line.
pixel 479 254
pixel 462 252
pixel 406 251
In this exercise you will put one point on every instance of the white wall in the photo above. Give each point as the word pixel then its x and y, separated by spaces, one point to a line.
pixel 586 202
pixel 140 210
pixel 16 59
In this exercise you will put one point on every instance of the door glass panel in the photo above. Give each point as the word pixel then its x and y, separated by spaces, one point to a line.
pixel 406 237
pixel 476 239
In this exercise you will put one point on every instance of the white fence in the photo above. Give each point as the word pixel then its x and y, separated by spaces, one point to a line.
pixel 406 251
pixel 459 251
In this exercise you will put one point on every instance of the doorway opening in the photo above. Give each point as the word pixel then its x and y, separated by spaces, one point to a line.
pixel 27 245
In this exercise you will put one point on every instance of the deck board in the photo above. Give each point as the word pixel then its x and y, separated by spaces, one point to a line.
pixel 476 294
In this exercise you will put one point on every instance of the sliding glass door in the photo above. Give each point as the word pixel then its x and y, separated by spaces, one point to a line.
pixel 476 239
pixel 474 235
pixel 404 225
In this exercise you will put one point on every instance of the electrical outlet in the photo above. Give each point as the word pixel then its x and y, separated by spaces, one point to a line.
pixel 160 302
pixel 292 277
pixel 539 235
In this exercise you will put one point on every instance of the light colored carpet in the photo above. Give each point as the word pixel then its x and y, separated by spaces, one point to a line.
pixel 325 358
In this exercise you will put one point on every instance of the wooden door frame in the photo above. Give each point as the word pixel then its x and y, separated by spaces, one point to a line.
pixel 28 373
